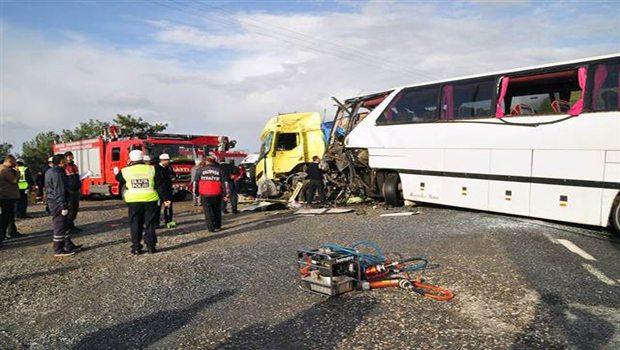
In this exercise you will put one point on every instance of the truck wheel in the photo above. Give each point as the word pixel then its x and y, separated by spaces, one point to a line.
pixel 392 190
pixel 615 215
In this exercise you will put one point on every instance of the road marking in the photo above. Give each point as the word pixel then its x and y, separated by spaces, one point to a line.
pixel 598 274
pixel 573 248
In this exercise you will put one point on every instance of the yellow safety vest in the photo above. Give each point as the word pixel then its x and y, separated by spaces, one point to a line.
pixel 140 183
pixel 22 183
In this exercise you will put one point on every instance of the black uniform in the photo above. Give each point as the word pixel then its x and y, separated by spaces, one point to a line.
pixel 229 171
pixel 57 201
pixel 143 216
pixel 315 175
pixel 166 174
pixel 74 186
pixel 211 186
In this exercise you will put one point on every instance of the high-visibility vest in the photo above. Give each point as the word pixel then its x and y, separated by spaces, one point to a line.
pixel 22 183
pixel 140 183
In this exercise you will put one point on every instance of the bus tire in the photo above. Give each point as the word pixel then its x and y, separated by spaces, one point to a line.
pixel 614 217
pixel 392 190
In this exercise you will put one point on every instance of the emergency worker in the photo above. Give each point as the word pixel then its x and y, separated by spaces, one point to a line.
pixel 74 186
pixel 230 171
pixel 315 176
pixel 58 203
pixel 24 184
pixel 212 187
pixel 167 174
pixel 199 163
pixel 140 193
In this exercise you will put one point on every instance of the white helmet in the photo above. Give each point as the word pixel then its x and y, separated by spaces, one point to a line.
pixel 136 155
pixel 164 156
pixel 146 158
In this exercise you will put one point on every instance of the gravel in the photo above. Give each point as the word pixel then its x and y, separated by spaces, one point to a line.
pixel 237 288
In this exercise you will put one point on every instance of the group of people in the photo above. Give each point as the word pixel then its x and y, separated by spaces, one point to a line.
pixel 61 184
pixel 146 188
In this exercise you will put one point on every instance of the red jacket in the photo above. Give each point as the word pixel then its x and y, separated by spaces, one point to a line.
pixel 210 181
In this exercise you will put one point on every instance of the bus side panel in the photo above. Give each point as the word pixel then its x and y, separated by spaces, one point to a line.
pixel 510 197
pixel 422 188
pixel 612 174
pixel 567 203
pixel 463 191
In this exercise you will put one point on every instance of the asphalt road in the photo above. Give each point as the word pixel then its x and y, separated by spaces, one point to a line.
pixel 518 283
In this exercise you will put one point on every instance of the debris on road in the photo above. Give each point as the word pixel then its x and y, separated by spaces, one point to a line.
pixel 320 211
pixel 333 269
pixel 405 213
pixel 264 206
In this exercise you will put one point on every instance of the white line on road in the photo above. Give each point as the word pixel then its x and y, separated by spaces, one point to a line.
pixel 575 249
pixel 598 274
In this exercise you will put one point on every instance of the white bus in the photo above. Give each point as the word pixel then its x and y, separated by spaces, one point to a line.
pixel 541 142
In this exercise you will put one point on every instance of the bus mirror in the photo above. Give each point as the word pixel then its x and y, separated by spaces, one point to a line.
pixel 232 143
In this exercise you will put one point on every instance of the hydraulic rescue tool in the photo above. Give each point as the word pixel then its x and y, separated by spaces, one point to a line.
pixel 333 269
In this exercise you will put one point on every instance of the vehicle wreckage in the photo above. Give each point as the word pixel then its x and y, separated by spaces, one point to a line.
pixel 348 176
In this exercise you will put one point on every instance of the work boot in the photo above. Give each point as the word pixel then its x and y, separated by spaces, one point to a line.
pixel 137 251
pixel 64 253
pixel 72 246
pixel 152 250
pixel 171 224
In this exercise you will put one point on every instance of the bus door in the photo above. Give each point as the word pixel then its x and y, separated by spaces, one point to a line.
pixel 288 152
pixel 264 165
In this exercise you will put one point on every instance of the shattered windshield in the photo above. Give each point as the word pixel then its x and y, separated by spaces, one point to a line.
pixel 265 146
pixel 177 153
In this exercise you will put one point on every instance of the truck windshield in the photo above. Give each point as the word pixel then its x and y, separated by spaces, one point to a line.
pixel 265 146
pixel 177 153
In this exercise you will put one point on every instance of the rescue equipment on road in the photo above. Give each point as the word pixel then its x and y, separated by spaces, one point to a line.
pixel 333 269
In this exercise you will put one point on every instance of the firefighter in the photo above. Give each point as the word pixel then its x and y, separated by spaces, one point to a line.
pixel 167 174
pixel 211 186
pixel 24 183
pixel 140 194
pixel 74 185
pixel 58 202
pixel 9 194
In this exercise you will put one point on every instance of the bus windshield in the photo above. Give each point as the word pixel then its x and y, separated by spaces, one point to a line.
pixel 177 153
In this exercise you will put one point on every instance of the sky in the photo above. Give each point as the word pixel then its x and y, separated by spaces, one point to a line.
pixel 226 67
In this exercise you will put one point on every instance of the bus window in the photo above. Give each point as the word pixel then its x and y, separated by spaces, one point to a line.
pixel 467 100
pixel 606 87
pixel 540 94
pixel 412 105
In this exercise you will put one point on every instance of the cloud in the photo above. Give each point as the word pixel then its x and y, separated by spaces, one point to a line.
pixel 229 77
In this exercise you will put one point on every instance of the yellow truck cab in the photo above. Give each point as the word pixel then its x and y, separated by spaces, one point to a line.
pixel 288 141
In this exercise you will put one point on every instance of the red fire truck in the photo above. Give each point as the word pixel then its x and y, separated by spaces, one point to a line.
pixel 100 159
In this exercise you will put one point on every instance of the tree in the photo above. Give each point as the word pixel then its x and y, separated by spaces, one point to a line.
pixel 132 126
pixel 85 130
pixel 5 148
pixel 36 151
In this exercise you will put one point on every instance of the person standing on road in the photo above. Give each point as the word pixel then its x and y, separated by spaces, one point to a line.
pixel 140 194
pixel 315 176
pixel 25 183
pixel 74 186
pixel 199 163
pixel 167 174
pixel 230 170
pixel 45 169
pixel 9 194
pixel 211 186
pixel 56 186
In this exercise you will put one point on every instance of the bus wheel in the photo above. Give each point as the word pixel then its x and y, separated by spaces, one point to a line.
pixel 392 190
pixel 615 215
